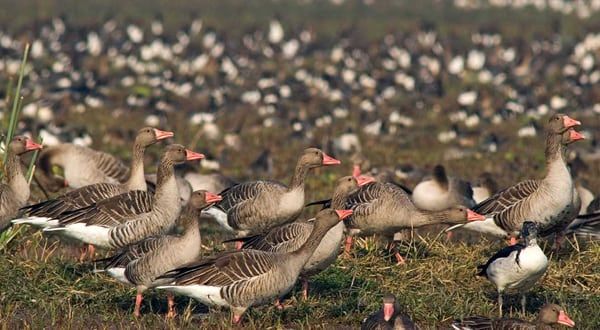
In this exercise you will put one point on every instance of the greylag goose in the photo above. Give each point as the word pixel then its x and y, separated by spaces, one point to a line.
pixel 98 225
pixel 141 263
pixel 587 226
pixel 390 317
pixel 441 192
pixel 15 193
pixel 484 188
pixel 253 207
pixel 290 237
pixel 44 214
pixel 245 278
pixel 551 202
pixel 516 267
pixel 385 209
pixel 550 315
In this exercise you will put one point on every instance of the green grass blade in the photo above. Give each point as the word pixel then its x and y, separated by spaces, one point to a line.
pixel 14 115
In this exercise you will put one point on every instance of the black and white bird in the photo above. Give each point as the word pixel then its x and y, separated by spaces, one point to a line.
pixel 517 267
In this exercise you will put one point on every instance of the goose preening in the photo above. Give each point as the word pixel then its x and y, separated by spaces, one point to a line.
pixel 550 202
pixel 15 193
pixel 390 316
pixel 44 214
pixel 129 218
pixel 516 267
pixel 385 209
pixel 549 316
pixel 246 278
pixel 290 237
pixel 441 192
pixel 141 263
pixel 253 207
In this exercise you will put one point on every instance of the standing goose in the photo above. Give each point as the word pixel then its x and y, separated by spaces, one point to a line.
pixel 100 229
pixel 549 315
pixel 385 209
pixel 516 267
pixel 82 166
pixel 245 278
pixel 551 202
pixel 44 214
pixel 290 237
pixel 254 207
pixel 389 317
pixel 441 192
pixel 15 193
pixel 141 263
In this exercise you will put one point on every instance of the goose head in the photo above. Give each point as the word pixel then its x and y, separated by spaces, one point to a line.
pixel 148 136
pixel 529 231
pixel 202 199
pixel 460 214
pixel 328 218
pixel 314 157
pixel 571 135
pixel 22 144
pixel 560 123
pixel 178 154
pixel 389 304
pixel 554 314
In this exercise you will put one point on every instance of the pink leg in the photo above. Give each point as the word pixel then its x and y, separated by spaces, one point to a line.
pixel 304 288
pixel 171 302
pixel 558 241
pixel 399 259
pixel 91 251
pixel 449 235
pixel 278 304
pixel 238 245
pixel 512 241
pixel 83 254
pixel 348 245
pixel 138 304
pixel 236 318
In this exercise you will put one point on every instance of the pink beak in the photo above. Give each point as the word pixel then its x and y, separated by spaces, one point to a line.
pixel 343 214
pixel 575 136
pixel 30 145
pixel 356 171
pixel 474 216
pixel 569 122
pixel 564 319
pixel 364 179
pixel 161 135
pixel 328 160
pixel 388 311
pixel 212 198
pixel 190 155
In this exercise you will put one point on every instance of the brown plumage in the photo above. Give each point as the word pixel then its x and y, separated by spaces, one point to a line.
pixel 15 193
pixel 241 279
pixel 254 207
pixel 389 317
pixel 141 263
pixel 549 316
pixel 44 214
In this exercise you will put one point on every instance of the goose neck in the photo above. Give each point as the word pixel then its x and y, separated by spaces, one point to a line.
pixel 15 178
pixel 299 177
pixel 311 244
pixel 136 180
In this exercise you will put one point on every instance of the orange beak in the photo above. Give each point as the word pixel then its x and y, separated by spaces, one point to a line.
pixel 564 319
pixel 364 179
pixel 388 311
pixel 161 135
pixel 30 145
pixel 575 136
pixel 474 216
pixel 212 198
pixel 328 160
pixel 569 122
pixel 343 214
pixel 190 155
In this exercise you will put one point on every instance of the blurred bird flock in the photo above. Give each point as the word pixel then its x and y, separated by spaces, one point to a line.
pixel 406 85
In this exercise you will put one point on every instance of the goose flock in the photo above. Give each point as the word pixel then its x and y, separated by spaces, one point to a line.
pixel 276 247
pixel 246 98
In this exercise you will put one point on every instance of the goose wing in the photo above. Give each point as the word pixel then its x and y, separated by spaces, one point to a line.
pixel 286 238
pixel 134 251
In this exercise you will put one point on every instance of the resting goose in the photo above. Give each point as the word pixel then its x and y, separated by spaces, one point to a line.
pixel 44 214
pixel 385 209
pixel 141 263
pixel 516 267
pixel 253 207
pixel 15 193
pixel 485 187
pixel 549 315
pixel 390 317
pixel 290 237
pixel 550 202
pixel 245 278
pixel 441 192
pixel 96 225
